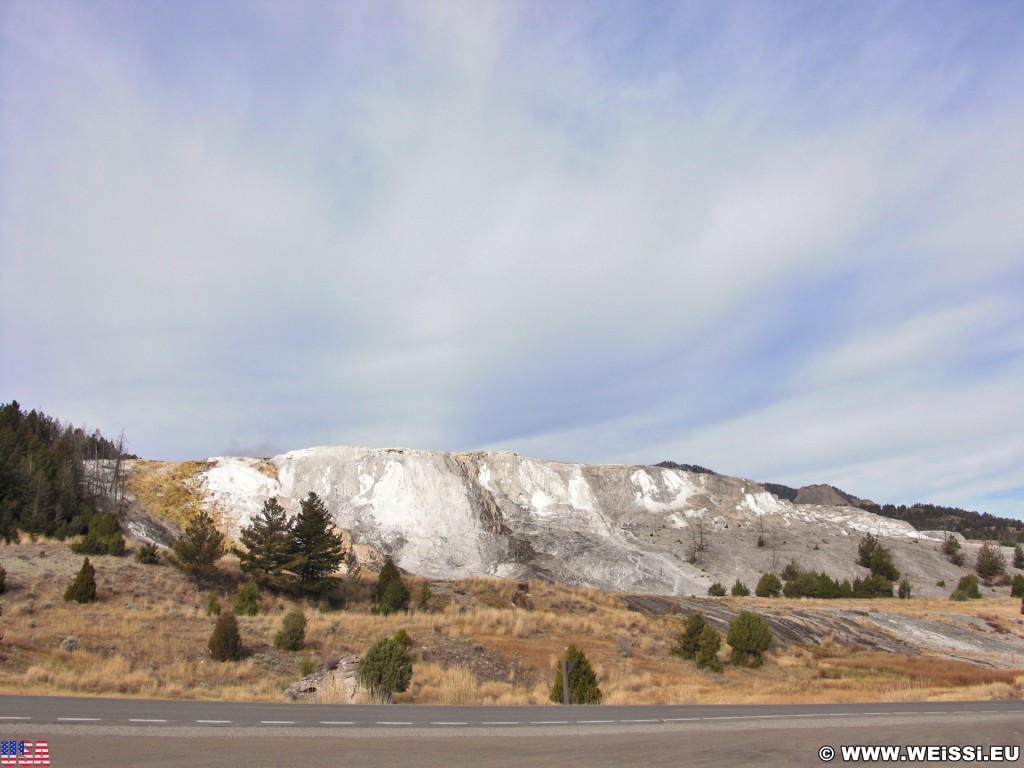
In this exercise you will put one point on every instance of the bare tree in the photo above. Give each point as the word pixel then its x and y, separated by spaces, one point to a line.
pixel 698 540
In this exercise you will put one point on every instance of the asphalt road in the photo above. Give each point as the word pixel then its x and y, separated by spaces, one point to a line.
pixel 85 732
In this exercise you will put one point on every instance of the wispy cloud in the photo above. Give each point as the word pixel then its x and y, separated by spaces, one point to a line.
pixel 783 241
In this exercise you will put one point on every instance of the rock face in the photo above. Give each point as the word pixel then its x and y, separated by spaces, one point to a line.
pixel 624 528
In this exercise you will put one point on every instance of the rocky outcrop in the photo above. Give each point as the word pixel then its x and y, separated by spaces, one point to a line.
pixel 627 528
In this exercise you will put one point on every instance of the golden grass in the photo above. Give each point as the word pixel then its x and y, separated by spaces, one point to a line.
pixel 166 489
pixel 147 637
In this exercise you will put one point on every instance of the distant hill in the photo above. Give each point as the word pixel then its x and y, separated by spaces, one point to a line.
pixel 923 517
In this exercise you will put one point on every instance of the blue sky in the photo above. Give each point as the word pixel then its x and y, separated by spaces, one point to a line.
pixel 784 240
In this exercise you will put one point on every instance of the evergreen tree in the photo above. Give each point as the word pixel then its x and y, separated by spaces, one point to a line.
pixel 768 586
pixel 990 562
pixel 966 589
pixel 688 639
pixel 1016 586
pixel 197 551
pixel 292 635
pixel 391 594
pixel 3 580
pixel 708 645
pixel 385 668
pixel 951 549
pixel 317 549
pixel 268 543
pixel 1018 557
pixel 739 589
pixel 225 642
pixel 247 601
pixel 749 637
pixel 876 558
pixel 583 688
pixel 83 588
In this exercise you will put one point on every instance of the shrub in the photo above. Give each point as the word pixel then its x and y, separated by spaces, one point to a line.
pixel 749 637
pixel 308 667
pixel 876 558
pixel 147 554
pixel 247 601
pixel 583 688
pixel 385 668
pixel 768 586
pixel 225 642
pixel 716 590
pixel 904 589
pixel 990 562
pixel 423 596
pixel 967 589
pixel 686 641
pixel 1018 557
pixel 739 589
pixel 83 588
pixel 292 635
pixel 1017 586
pixel 708 645
pixel 213 606
pixel 104 537
pixel 791 571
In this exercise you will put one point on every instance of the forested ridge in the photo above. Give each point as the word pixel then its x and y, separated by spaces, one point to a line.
pixel 50 479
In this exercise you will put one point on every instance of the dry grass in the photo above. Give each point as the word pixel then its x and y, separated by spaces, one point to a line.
pixel 147 637
pixel 166 489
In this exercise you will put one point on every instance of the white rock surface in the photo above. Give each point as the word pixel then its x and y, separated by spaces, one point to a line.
pixel 615 527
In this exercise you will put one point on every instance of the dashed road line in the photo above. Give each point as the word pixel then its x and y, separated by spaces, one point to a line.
pixel 277 722
pixel 141 720
pixel 500 722
pixel 11 717
pixel 392 722
pixel 549 722
pixel 213 722
pixel 79 719
pixel 594 722
pixel 337 722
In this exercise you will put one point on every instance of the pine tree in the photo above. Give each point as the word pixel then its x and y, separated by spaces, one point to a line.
pixel 749 637
pixel 990 562
pixel 268 542
pixel 225 642
pixel 317 549
pixel 708 645
pixel 687 640
pixel 197 551
pixel 292 635
pixel 1018 557
pixel 768 586
pixel 3 580
pixel 391 595
pixel 83 588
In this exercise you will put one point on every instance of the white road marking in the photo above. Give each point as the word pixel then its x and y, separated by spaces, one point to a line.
pixel 595 721
pixel 639 721
pixel 337 722
pixel 140 720
pixel 391 722
pixel 549 722
pixel 500 722
pixel 79 719
pixel 443 723
pixel 213 721
pixel 9 717
pixel 278 722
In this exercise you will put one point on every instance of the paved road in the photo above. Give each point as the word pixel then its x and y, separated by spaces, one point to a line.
pixel 87 732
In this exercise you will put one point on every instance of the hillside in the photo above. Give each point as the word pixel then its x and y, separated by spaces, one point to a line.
pixel 624 528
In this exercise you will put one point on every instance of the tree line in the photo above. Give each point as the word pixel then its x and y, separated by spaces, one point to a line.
pixel 51 481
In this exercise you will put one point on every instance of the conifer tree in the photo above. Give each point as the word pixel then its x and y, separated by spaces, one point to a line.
pixel 317 549
pixel 583 687
pixel 197 551
pixel 392 595
pixel 268 542
pixel 225 643
pixel 83 588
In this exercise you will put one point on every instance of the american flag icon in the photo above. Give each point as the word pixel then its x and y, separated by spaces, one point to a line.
pixel 22 753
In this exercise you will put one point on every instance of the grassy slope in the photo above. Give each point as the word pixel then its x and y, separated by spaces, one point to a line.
pixel 147 637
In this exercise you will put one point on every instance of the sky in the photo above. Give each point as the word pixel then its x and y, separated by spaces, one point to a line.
pixel 784 240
